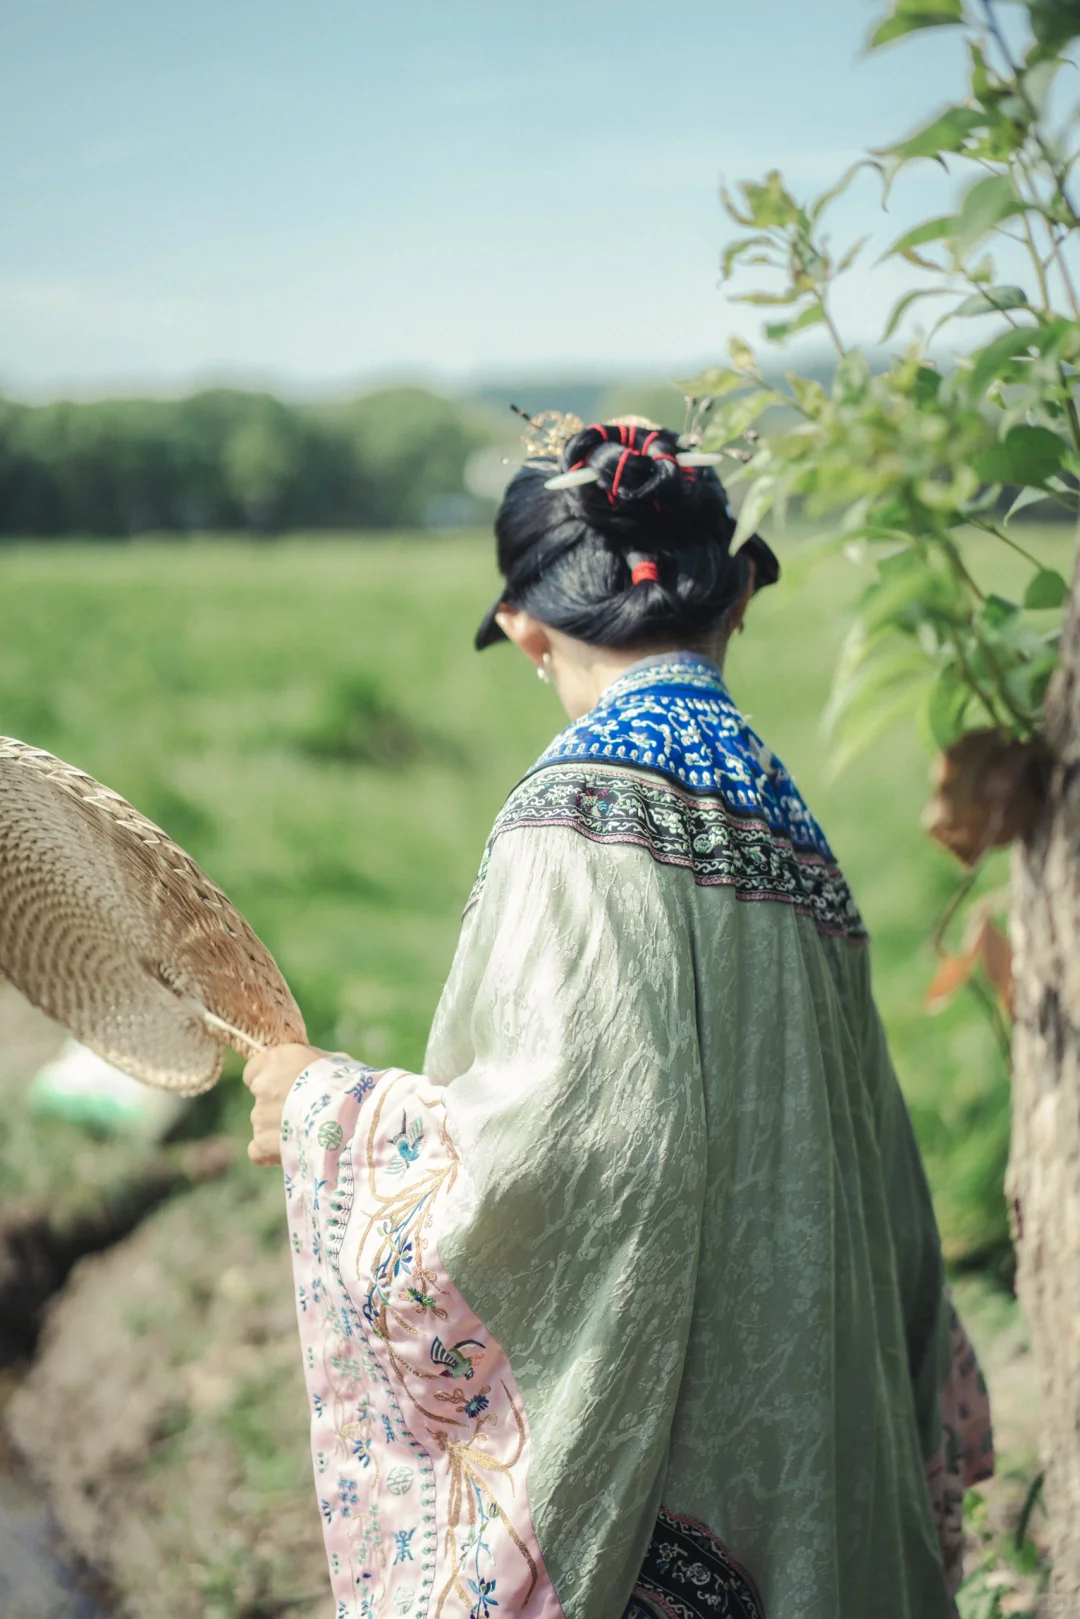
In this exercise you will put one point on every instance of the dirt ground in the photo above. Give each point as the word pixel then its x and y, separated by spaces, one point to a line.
pixel 163 1416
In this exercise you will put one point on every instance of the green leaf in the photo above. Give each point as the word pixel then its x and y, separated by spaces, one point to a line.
pixel 730 419
pixel 808 392
pixel 818 206
pixel 758 502
pixel 931 230
pixel 989 360
pixel 1038 81
pixel 714 383
pixel 907 596
pixel 986 87
pixel 738 215
pixel 902 305
pixel 948 704
pixel 907 18
pixel 866 702
pixel 1047 589
pixel 945 133
pixel 996 612
pixel 769 299
pixel 768 202
pixel 812 316
pixel 991 300
pixel 741 354
pixel 852 254
pixel 1026 455
pixel 1026 682
pixel 851 377
pixel 735 250
pixel 1054 22
pixel 985 205
pixel 1026 497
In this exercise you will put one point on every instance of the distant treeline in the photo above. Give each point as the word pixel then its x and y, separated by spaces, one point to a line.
pixel 226 459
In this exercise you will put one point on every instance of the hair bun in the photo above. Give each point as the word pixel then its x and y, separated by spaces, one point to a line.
pixel 633 461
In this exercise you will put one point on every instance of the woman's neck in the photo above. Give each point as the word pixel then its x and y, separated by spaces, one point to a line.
pixel 581 673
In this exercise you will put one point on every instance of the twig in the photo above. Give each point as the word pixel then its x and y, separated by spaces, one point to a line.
pixel 960 894
pixel 1034 1491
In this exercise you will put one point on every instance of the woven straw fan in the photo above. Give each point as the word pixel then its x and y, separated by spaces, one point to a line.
pixel 114 931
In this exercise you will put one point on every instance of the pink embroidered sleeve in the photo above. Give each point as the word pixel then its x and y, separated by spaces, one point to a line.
pixel 966 1454
pixel 419 1437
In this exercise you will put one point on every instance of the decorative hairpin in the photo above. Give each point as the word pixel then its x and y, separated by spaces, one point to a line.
pixel 685 458
pixel 547 432
pixel 550 430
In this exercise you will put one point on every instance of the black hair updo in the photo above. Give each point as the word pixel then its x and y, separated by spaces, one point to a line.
pixel 639 555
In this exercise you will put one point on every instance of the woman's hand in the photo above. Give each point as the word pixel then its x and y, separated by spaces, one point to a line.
pixel 270 1076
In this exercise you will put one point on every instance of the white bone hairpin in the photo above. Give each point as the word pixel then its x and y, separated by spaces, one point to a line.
pixel 570 480
pixel 580 475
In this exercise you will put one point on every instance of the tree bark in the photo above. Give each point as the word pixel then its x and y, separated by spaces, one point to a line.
pixel 1043 1182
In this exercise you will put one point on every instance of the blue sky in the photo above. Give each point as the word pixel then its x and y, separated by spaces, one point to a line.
pixel 315 195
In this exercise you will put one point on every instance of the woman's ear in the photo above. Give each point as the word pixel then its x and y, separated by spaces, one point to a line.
pixel 526 632
pixel 737 613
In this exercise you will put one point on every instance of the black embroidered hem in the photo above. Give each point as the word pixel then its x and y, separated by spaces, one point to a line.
pixel 688 1573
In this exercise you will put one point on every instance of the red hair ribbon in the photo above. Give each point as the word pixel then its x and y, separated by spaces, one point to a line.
pixel 644 570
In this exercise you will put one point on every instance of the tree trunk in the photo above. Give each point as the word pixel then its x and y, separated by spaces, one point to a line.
pixel 1044 1168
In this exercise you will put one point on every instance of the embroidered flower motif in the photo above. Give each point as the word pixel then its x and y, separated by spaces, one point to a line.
pixel 485 1601
pixel 593 800
pixel 478 1403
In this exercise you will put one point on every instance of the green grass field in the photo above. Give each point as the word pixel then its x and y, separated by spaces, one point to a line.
pixel 309 719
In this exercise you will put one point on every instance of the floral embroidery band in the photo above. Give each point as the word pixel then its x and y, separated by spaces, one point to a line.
pixel 419 1436
pixel 682 829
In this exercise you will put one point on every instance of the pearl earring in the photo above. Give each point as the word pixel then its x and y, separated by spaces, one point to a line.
pixel 543 669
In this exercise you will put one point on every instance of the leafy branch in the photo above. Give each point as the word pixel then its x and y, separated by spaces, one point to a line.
pixel 921 466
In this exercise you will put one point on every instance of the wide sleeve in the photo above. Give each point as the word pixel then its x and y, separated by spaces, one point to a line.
pixel 496 1262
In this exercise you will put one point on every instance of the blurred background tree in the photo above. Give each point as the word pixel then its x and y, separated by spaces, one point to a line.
pixel 231 460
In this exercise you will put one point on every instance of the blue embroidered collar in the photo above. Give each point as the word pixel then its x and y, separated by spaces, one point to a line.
pixel 674 715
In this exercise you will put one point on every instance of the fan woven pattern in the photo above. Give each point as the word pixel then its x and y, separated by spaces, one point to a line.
pixel 116 933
